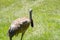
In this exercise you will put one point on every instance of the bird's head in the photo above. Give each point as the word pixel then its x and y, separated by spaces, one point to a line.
pixel 30 11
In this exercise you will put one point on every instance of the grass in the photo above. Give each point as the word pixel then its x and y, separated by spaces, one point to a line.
pixel 46 16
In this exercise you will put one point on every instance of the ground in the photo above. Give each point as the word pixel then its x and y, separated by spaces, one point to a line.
pixel 46 16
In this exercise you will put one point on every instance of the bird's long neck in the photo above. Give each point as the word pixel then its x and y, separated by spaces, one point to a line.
pixel 31 18
pixel 30 15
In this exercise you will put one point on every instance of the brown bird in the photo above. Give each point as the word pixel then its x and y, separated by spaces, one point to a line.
pixel 20 25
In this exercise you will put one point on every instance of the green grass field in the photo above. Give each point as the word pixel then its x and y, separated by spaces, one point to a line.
pixel 46 16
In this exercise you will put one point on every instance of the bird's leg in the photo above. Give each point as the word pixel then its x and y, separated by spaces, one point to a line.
pixel 22 35
pixel 10 38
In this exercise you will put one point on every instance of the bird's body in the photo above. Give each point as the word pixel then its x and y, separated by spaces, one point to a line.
pixel 20 25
